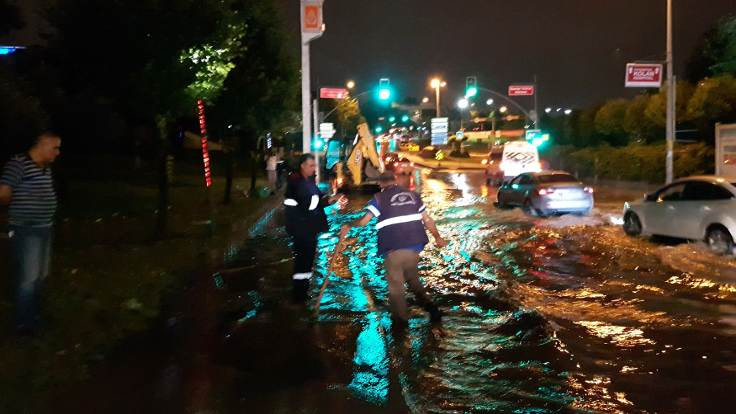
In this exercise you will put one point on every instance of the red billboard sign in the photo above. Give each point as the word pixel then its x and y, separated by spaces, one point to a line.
pixel 311 17
pixel 333 93
pixel 521 90
pixel 639 75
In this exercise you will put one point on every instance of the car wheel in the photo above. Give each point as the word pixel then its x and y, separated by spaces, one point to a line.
pixel 501 201
pixel 719 240
pixel 632 224
pixel 531 210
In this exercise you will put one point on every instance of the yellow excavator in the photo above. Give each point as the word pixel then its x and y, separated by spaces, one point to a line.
pixel 363 164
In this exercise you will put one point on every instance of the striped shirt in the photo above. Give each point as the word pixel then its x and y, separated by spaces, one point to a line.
pixel 33 201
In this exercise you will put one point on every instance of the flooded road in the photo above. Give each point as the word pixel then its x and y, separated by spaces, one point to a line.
pixel 563 314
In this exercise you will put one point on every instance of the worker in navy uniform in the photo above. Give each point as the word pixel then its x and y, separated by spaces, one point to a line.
pixel 402 220
pixel 305 220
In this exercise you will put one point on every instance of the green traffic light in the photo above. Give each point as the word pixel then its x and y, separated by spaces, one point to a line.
pixel 471 92
pixel 405 118
pixel 379 129
pixel 384 94
pixel 392 119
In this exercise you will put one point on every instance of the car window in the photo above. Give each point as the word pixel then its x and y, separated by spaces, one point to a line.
pixel 671 193
pixel 556 178
pixel 526 180
pixel 517 180
pixel 700 190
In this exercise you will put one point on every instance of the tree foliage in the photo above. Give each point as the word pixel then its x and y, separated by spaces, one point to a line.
pixel 716 52
pixel 10 17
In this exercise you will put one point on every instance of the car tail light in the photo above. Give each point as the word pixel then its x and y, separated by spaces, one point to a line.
pixel 396 164
pixel 484 162
pixel 588 190
pixel 545 191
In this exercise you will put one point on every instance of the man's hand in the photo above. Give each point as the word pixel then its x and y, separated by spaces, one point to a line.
pixel 440 242
pixel 344 229
pixel 340 199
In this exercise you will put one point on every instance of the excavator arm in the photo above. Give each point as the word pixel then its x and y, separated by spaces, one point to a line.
pixel 365 147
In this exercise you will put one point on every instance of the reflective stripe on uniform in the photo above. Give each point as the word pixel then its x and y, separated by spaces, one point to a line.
pixel 290 202
pixel 373 210
pixel 302 276
pixel 314 203
pixel 422 208
pixel 398 220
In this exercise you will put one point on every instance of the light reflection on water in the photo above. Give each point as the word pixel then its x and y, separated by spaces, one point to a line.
pixel 542 318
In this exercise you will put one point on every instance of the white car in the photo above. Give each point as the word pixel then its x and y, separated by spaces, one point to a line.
pixel 694 208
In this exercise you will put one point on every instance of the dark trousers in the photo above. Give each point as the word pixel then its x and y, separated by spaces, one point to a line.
pixel 31 250
pixel 305 249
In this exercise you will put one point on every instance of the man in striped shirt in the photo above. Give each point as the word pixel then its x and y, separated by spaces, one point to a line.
pixel 27 186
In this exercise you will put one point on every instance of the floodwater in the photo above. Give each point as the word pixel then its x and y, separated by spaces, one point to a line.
pixel 564 314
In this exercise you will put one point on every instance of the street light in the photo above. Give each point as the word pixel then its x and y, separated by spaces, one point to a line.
pixel 462 103
pixel 489 102
pixel 568 111
pixel 350 84
pixel 547 109
pixel 437 83
pixel 425 100
pixel 503 109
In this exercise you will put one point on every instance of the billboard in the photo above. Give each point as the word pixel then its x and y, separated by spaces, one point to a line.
pixel 639 75
pixel 440 127
pixel 521 90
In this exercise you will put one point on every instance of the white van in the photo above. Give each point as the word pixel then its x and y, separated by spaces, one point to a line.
pixel 519 157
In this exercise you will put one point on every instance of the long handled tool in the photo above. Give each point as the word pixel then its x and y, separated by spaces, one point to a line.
pixel 338 251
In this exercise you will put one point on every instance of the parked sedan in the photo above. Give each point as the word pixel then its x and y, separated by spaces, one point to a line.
pixel 694 208
pixel 546 193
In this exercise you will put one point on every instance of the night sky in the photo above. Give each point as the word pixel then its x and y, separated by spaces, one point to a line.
pixel 577 48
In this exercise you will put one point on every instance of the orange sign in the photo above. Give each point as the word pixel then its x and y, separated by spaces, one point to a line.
pixel 312 21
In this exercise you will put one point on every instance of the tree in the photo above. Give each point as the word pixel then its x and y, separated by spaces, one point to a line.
pixel 348 116
pixel 656 110
pixel 636 123
pixel 22 117
pixel 127 56
pixel 10 18
pixel 715 53
pixel 262 86
pixel 609 121
pixel 714 100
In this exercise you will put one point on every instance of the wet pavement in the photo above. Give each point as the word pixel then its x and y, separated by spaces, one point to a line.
pixel 564 314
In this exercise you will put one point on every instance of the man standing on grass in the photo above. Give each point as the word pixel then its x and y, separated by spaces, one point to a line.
pixel 402 220
pixel 27 186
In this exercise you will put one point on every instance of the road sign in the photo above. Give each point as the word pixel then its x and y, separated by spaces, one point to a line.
pixel 440 126
pixel 311 16
pixel 533 133
pixel 333 93
pixel 327 130
pixel 640 75
pixel 521 90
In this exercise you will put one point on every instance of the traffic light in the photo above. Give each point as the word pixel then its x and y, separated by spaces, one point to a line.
pixel 471 86
pixel 405 118
pixel 378 129
pixel 392 119
pixel 384 89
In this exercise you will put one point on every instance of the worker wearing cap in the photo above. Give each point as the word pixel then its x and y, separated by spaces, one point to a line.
pixel 305 220
pixel 402 220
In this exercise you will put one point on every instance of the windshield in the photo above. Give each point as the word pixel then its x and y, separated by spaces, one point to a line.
pixel 556 178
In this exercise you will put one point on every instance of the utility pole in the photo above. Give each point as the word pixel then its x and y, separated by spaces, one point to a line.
pixel 312 28
pixel 671 96
pixel 536 103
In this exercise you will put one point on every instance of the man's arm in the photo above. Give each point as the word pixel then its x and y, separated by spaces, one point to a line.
pixel 432 227
pixel 6 194
pixel 357 223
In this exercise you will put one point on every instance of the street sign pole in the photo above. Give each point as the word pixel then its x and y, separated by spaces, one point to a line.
pixel 311 28
pixel 536 103
pixel 671 96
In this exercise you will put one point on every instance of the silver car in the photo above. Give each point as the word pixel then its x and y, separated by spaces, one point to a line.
pixel 695 208
pixel 545 193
